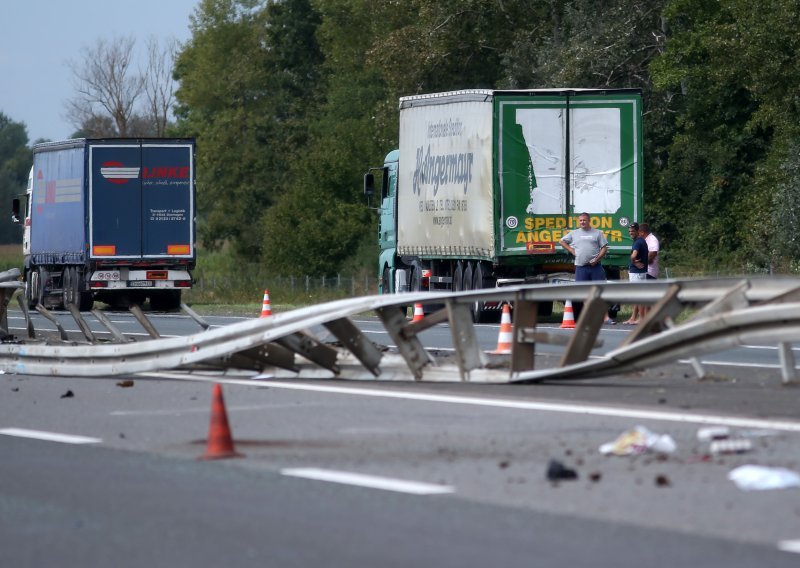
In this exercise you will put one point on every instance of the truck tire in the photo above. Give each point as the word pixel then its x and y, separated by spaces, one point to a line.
pixel 166 301
pixel 386 285
pixel 40 291
pixel 458 277
pixel 82 298
pixel 67 289
pixel 468 277
pixel 32 288
pixel 478 313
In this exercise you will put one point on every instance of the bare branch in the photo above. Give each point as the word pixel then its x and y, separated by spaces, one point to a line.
pixel 105 84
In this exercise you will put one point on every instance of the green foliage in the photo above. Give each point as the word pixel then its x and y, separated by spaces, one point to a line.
pixel 246 76
pixel 15 163
pixel 291 101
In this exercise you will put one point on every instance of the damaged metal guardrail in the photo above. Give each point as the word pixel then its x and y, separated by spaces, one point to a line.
pixel 729 312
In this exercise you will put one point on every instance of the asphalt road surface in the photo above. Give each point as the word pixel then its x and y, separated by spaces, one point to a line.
pixel 343 473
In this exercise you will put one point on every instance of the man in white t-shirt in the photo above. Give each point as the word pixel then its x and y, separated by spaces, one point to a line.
pixel 652 248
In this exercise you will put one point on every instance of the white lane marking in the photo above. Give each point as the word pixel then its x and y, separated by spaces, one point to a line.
pixel 49 436
pixel 371 481
pixel 179 411
pixel 789 546
pixel 616 412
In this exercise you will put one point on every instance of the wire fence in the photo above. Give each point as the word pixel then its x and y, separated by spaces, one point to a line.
pixel 249 286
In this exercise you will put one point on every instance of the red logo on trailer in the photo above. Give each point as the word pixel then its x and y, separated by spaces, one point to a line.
pixel 117 173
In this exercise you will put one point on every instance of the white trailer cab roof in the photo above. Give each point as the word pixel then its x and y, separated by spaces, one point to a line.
pixel 486 95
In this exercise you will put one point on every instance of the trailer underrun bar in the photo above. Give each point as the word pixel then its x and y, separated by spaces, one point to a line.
pixel 723 313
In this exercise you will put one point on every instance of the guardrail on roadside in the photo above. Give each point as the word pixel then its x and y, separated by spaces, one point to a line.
pixel 729 311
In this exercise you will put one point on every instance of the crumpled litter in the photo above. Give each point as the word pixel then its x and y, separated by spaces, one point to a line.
pixel 756 477
pixel 639 440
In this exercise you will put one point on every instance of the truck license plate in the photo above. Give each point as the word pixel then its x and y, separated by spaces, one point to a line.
pixel 141 283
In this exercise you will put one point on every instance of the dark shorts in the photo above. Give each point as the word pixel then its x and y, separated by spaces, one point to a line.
pixel 651 277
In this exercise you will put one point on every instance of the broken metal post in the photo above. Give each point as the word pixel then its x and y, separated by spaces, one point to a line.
pixel 586 329
pixel 408 344
pixel 51 318
pixel 113 330
pixel 23 305
pixel 82 325
pixel 192 314
pixel 143 321
pixel 786 357
pixel 469 355
pixel 312 349
pixel 668 307
pixel 352 338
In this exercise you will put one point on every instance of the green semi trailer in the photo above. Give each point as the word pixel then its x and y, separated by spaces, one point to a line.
pixel 486 183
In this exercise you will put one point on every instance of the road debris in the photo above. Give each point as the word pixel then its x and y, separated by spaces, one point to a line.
pixel 756 477
pixel 557 471
pixel 639 440
pixel 732 446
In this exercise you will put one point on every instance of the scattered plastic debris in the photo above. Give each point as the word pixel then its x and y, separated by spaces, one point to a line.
pixel 639 440
pixel 556 471
pixel 756 477
pixel 733 446
pixel 713 433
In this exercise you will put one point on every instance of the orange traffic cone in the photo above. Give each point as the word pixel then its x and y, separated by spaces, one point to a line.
pixel 266 309
pixel 569 316
pixel 506 335
pixel 220 442
pixel 419 313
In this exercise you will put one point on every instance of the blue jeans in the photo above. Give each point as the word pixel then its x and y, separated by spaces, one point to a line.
pixel 589 272
pixel 584 274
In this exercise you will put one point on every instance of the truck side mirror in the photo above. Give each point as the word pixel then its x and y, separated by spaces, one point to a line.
pixel 15 211
pixel 369 184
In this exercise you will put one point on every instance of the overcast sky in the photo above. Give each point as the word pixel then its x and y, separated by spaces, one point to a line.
pixel 39 36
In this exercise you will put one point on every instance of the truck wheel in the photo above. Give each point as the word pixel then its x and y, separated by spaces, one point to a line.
pixel 166 301
pixel 386 286
pixel 83 299
pixel 40 291
pixel 477 284
pixel 31 288
pixel 458 277
pixel 67 289
pixel 468 277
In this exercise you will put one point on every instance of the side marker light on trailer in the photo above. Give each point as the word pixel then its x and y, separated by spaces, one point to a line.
pixel 104 250
pixel 178 249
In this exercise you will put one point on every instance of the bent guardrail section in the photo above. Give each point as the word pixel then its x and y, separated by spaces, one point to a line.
pixel 729 312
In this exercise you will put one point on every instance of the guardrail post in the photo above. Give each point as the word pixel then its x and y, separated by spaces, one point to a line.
pixel 586 329
pixel 788 373
pixel 523 347
pixel 469 355
pixel 7 278
pixel 668 307
pixel 409 345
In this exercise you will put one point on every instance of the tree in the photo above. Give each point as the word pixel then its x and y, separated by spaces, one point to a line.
pixel 106 84
pixel 158 84
pixel 248 76
pixel 734 71
pixel 15 163
pixel 115 99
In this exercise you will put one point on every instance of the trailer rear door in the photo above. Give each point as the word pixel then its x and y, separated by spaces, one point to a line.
pixel 141 199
